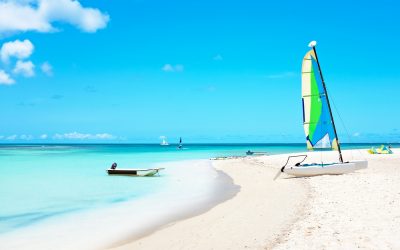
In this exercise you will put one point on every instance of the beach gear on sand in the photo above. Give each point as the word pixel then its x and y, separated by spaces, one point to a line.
pixel 381 150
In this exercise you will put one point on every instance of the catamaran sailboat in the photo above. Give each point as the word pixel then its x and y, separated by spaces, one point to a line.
pixel 319 125
pixel 164 141
pixel 180 143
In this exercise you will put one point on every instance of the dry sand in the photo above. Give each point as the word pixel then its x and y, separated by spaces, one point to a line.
pixel 357 210
pixel 251 219
pixel 352 211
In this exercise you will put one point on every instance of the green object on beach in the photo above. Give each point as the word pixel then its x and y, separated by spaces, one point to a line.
pixel 383 149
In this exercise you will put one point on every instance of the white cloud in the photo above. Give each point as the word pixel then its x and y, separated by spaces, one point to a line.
pixel 171 68
pixel 24 68
pixel 80 136
pixel 38 15
pixel 43 136
pixel 1 137
pixel 356 134
pixel 11 137
pixel 104 136
pixel 167 68
pixel 17 48
pixel 218 58
pixel 47 68
pixel 26 137
pixel 5 78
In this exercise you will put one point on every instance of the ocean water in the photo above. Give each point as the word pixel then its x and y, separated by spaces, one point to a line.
pixel 40 182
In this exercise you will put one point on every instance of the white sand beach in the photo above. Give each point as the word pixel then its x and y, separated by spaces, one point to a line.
pixel 351 211
pixel 357 210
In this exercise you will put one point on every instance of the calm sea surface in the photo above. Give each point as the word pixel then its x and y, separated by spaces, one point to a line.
pixel 42 181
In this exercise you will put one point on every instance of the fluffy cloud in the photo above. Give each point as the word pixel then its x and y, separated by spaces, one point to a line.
pixel 38 15
pixel 11 137
pixel 66 136
pixel 17 48
pixel 167 68
pixel 26 137
pixel 47 68
pixel 80 136
pixel 24 68
pixel 171 68
pixel 5 78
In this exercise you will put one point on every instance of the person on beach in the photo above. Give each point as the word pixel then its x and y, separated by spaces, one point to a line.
pixel 114 165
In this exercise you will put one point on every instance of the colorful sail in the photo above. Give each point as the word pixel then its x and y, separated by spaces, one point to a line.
pixel 317 120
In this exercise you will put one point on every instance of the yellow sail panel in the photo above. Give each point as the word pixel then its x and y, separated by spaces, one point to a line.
pixel 335 145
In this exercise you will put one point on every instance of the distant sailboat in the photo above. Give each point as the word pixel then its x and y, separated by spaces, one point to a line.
pixel 164 141
pixel 180 143
pixel 319 125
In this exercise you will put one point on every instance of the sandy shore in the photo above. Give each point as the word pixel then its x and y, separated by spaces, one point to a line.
pixel 357 210
pixel 251 219
pixel 353 211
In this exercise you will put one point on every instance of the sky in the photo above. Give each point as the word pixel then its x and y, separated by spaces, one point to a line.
pixel 209 71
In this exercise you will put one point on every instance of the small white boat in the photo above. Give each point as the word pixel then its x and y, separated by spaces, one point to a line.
pixel 164 141
pixel 134 172
pixel 319 125
pixel 249 152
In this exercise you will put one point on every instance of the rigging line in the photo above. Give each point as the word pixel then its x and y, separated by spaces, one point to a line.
pixel 345 129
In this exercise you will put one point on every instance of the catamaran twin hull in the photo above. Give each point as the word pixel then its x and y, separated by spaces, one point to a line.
pixel 134 172
pixel 325 169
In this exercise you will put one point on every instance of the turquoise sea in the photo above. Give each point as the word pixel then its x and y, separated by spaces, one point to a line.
pixel 39 182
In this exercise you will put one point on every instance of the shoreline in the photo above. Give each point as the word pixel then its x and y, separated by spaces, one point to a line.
pixel 222 181
pixel 187 193
pixel 235 204
pixel 254 218
pixel 322 212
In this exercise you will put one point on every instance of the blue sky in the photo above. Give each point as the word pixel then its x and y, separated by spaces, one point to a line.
pixel 210 71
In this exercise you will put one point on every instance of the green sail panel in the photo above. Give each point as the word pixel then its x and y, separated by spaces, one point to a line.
pixel 317 121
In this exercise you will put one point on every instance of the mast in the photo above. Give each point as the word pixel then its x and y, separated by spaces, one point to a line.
pixel 327 99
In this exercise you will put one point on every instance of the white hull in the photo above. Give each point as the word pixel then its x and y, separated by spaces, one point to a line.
pixel 329 169
pixel 134 172
pixel 164 143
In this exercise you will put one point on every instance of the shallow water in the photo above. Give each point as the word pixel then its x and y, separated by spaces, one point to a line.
pixel 39 182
